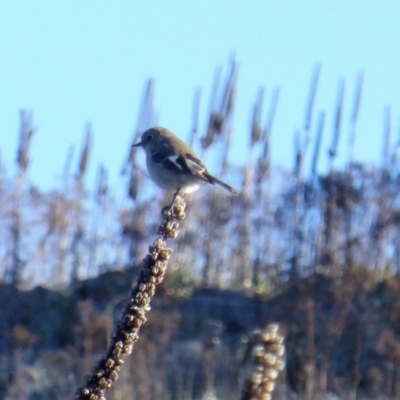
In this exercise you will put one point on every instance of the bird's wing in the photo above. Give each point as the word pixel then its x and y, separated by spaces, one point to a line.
pixel 180 164
pixel 192 163
pixel 168 162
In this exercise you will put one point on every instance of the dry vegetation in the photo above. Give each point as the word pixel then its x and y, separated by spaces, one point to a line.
pixel 318 254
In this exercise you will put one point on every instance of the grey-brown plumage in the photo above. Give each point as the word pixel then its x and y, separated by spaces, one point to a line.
pixel 173 165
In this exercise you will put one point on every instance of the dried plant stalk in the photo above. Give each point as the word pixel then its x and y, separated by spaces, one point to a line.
pixel 267 352
pixel 134 315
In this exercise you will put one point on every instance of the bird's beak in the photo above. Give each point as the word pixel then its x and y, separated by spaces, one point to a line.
pixel 138 144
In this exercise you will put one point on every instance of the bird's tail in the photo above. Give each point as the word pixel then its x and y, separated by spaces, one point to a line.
pixel 214 180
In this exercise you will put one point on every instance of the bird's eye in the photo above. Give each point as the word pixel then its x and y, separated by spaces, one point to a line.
pixel 149 138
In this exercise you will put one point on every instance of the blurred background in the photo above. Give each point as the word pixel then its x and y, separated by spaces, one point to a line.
pixel 295 104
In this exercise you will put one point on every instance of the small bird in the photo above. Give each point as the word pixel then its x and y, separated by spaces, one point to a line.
pixel 173 165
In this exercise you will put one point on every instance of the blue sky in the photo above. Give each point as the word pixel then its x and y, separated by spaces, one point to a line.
pixel 73 62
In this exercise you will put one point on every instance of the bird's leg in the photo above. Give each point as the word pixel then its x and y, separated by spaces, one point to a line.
pixel 165 209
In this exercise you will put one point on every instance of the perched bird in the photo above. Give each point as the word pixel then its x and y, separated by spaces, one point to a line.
pixel 172 164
